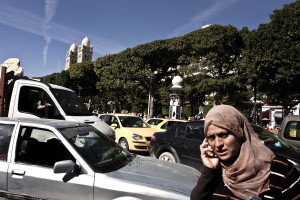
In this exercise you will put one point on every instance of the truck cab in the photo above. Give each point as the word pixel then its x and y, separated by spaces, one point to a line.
pixel 290 130
pixel 23 95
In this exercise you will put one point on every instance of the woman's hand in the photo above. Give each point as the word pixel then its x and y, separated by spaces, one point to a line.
pixel 209 158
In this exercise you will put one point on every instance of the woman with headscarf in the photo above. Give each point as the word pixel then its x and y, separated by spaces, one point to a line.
pixel 237 164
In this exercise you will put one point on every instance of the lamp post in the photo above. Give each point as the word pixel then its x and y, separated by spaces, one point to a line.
pixel 254 106
pixel 149 103
pixel 252 85
pixel 151 93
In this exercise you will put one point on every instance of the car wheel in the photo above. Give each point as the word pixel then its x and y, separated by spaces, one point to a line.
pixel 167 156
pixel 123 143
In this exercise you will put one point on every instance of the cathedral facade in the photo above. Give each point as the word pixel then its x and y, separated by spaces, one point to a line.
pixel 81 54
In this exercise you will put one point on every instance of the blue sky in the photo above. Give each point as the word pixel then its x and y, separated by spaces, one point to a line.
pixel 40 32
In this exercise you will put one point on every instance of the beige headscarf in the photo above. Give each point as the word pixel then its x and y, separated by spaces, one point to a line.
pixel 249 174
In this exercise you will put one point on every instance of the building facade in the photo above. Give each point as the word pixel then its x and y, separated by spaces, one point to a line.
pixel 83 53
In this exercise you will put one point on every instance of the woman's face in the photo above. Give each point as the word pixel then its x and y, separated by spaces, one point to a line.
pixel 223 143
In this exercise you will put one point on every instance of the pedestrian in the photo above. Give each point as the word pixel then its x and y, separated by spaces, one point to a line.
pixel 237 164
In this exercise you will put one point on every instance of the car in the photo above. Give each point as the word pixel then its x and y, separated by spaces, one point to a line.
pixel 290 130
pixel 57 159
pixel 278 146
pixel 180 144
pixel 131 131
pixel 163 124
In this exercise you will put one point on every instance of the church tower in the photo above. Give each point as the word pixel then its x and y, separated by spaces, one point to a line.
pixel 85 51
pixel 78 55
pixel 71 56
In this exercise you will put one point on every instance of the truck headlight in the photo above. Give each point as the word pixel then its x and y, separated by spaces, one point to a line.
pixel 137 136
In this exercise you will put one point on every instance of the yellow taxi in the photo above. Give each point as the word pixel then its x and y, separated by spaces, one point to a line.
pixel 162 124
pixel 132 132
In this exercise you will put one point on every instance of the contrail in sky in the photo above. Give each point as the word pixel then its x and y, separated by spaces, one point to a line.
pixel 50 9
pixel 44 26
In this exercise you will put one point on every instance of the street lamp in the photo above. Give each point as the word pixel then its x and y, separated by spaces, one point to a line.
pixel 252 85
pixel 149 103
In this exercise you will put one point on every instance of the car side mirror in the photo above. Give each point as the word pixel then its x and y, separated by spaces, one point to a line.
pixel 66 166
pixel 114 125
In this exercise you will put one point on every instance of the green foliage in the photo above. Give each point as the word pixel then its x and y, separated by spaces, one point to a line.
pixel 62 79
pixel 272 57
pixel 214 51
pixel 84 78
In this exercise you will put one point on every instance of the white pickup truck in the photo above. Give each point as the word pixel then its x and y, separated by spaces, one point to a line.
pixel 56 159
pixel 18 98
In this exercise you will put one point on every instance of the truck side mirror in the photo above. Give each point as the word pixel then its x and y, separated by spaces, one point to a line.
pixel 114 125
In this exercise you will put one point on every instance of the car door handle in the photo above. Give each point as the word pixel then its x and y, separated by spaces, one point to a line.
pixel 182 145
pixel 18 172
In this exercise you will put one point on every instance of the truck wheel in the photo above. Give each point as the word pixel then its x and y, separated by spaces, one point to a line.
pixel 167 156
pixel 123 143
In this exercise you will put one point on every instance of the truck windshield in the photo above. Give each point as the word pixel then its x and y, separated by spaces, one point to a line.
pixel 100 152
pixel 70 103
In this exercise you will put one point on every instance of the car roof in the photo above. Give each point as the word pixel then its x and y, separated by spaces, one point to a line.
pixel 49 122
pixel 185 123
pixel 120 114
pixel 180 120
pixel 293 117
pixel 190 122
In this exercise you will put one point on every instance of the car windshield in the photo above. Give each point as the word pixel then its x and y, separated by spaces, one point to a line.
pixel 100 152
pixel 154 121
pixel 134 122
pixel 70 103
pixel 270 140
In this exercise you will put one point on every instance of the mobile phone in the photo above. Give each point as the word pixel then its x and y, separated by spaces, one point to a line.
pixel 211 152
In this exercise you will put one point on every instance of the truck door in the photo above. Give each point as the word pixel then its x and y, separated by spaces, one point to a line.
pixel 32 176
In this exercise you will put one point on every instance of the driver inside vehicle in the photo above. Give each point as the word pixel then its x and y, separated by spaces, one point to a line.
pixel 41 104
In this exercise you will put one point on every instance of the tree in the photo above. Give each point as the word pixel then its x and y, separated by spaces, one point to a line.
pixel 84 78
pixel 115 81
pixel 273 53
pixel 62 79
pixel 158 61
pixel 213 56
pixel 140 71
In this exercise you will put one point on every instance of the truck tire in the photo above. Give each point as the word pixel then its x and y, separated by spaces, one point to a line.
pixel 167 156
pixel 123 143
